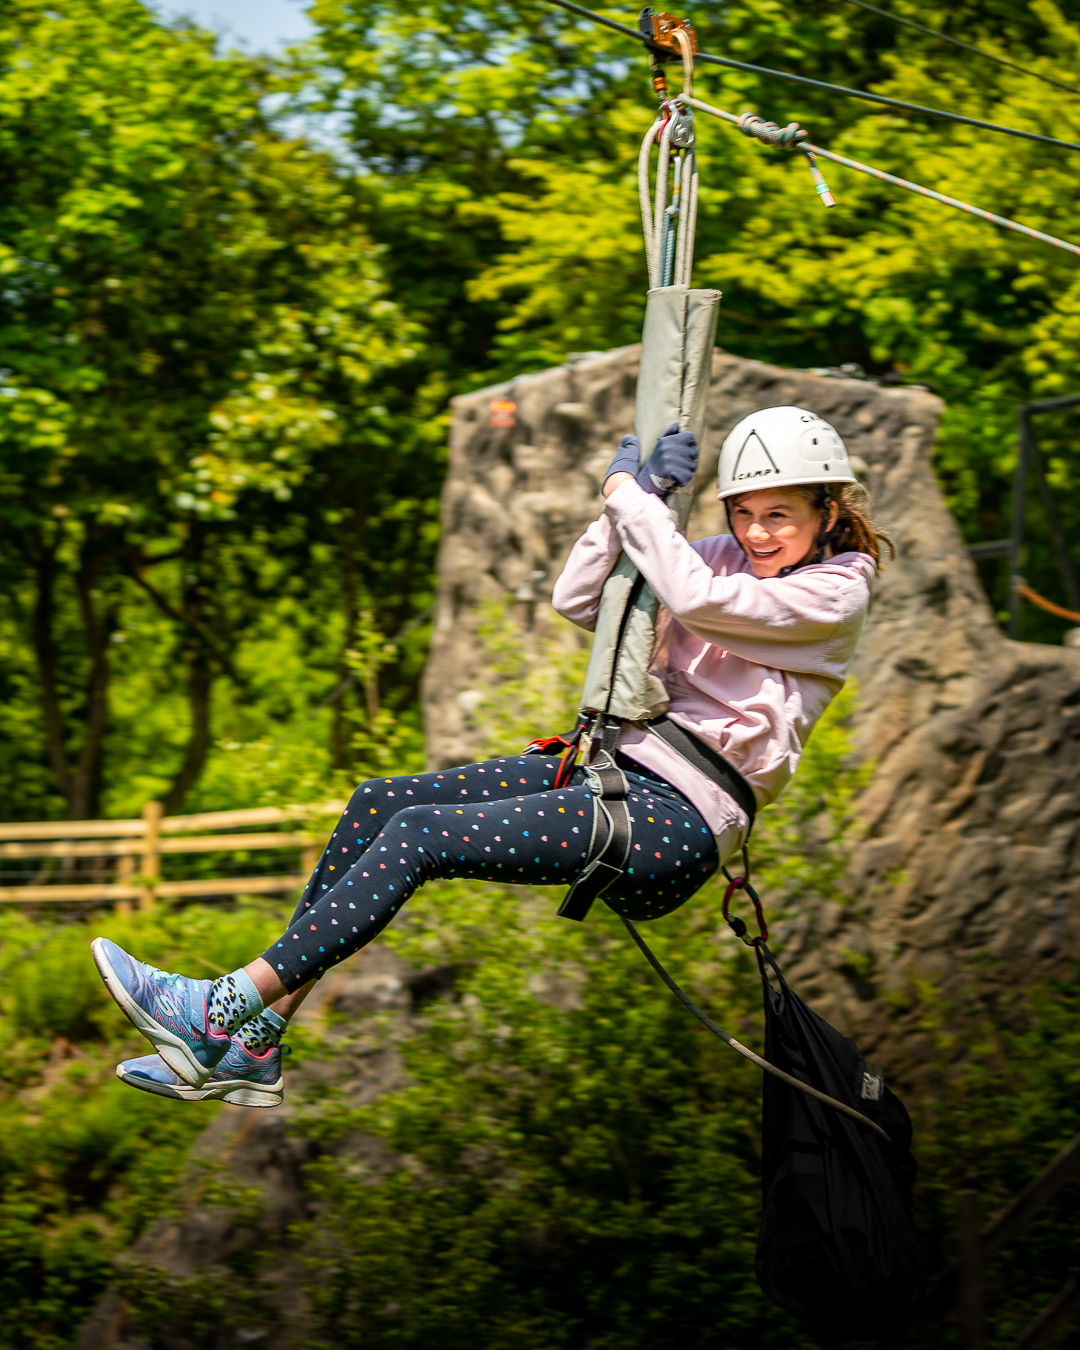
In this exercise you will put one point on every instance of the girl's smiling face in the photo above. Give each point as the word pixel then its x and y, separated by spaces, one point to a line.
pixel 777 528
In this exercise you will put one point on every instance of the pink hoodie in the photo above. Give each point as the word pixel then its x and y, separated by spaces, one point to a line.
pixel 749 664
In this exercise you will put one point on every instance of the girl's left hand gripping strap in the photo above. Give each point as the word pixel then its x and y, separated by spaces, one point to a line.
pixel 609 848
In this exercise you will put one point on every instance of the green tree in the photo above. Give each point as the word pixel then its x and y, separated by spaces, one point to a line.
pixel 501 144
pixel 195 342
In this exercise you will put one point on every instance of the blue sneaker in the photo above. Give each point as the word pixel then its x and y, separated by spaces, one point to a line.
pixel 243 1079
pixel 169 1010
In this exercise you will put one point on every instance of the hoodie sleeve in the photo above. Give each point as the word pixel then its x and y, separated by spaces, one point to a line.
pixel 576 594
pixel 807 622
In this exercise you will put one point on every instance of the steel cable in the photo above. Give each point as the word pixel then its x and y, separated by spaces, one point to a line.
pixel 967 46
pixel 821 84
pixel 945 201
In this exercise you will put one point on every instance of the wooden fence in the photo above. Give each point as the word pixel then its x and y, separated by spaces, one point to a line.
pixel 961 1286
pixel 139 845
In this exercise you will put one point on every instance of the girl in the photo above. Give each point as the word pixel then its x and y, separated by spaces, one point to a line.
pixel 756 632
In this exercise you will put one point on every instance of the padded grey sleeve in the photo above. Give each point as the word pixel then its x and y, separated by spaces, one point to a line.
pixel 673 386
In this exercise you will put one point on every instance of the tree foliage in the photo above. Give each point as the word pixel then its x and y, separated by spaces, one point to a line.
pixel 196 419
pixel 513 131
pixel 226 350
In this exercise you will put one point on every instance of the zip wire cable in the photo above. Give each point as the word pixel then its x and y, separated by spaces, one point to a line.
pixel 944 37
pixel 819 84
pixel 793 137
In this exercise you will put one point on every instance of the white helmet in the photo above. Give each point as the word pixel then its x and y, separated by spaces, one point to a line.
pixel 781 447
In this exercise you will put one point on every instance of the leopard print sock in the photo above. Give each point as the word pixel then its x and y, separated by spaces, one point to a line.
pixel 233 1000
pixel 261 1033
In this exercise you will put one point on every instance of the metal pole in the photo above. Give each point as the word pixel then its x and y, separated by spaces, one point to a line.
pixel 1016 538
pixel 971 1270
pixel 1057 533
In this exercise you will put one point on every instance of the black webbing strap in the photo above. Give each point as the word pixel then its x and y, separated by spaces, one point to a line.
pixel 708 762
pixel 610 847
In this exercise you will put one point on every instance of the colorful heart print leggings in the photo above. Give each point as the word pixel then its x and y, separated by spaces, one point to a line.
pixel 497 821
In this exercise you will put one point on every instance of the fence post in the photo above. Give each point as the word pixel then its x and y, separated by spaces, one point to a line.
pixel 150 860
pixel 125 869
pixel 971 1270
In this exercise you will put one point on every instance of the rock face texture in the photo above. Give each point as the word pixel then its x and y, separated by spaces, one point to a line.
pixel 970 839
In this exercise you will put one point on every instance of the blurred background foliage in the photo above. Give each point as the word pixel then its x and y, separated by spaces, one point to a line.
pixel 238 292
pixel 236 295
pixel 85 1163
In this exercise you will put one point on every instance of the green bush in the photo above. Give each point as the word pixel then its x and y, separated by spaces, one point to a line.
pixel 578 1160
pixel 86 1163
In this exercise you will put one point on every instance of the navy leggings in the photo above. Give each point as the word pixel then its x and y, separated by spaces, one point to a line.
pixel 496 821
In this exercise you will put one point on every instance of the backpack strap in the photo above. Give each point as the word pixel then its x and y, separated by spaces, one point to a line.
pixel 609 846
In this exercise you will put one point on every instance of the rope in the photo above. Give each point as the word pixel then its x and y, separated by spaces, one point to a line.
pixel 645 200
pixel 686 51
pixel 681 200
pixel 742 1049
pixel 820 84
pixel 946 201
pixel 751 125
pixel 690 227
pixel 663 222
pixel 944 37
pixel 660 215
pixel 1041 600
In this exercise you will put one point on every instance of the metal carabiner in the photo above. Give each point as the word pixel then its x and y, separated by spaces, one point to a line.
pixel 737 926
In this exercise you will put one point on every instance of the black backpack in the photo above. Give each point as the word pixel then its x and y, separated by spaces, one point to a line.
pixel 837 1248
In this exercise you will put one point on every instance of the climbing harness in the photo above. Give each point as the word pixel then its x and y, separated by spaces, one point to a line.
pixel 820 84
pixel 609 848
pixel 708 762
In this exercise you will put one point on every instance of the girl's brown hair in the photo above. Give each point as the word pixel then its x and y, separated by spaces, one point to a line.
pixel 854 531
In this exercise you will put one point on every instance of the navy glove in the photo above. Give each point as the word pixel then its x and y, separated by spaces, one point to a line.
pixel 672 463
pixel 627 457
